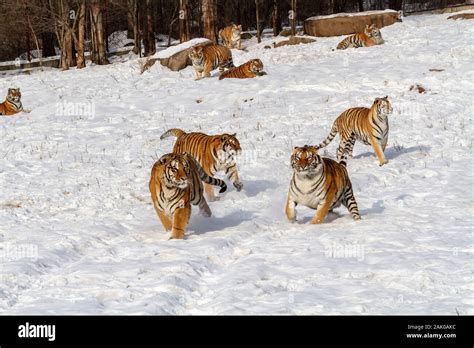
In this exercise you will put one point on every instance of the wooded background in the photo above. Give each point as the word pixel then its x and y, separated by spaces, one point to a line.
pixel 79 28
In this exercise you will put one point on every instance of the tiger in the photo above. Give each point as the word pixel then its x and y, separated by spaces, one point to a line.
pixel 371 36
pixel 213 152
pixel 249 69
pixel 12 104
pixel 230 35
pixel 319 183
pixel 370 126
pixel 207 58
pixel 175 184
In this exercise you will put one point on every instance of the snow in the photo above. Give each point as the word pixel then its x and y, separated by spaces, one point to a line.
pixel 168 52
pixel 78 233
pixel 354 14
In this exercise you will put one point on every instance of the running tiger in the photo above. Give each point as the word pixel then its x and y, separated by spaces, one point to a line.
pixel 369 126
pixel 12 104
pixel 371 36
pixel 247 70
pixel 207 58
pixel 230 35
pixel 319 183
pixel 213 152
pixel 175 184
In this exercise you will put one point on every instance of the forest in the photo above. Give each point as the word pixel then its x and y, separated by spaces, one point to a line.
pixel 78 29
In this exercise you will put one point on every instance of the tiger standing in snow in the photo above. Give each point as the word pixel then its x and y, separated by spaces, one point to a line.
pixel 230 35
pixel 175 184
pixel 207 58
pixel 213 152
pixel 250 69
pixel 368 125
pixel 371 36
pixel 319 183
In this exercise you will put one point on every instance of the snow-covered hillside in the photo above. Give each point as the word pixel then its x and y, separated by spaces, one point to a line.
pixel 78 233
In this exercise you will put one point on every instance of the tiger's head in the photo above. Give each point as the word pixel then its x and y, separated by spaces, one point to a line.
pixel 305 159
pixel 197 55
pixel 383 106
pixel 374 33
pixel 176 171
pixel 14 95
pixel 229 147
pixel 236 30
pixel 256 66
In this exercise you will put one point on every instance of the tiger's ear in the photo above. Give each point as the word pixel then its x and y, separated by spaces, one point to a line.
pixel 163 159
pixel 234 134
pixel 386 97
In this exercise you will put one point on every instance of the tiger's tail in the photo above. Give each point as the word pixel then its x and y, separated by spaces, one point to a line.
pixel 172 132
pixel 206 178
pixel 343 44
pixel 330 137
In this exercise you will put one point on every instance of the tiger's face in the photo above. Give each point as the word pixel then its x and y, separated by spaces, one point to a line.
pixel 197 55
pixel 177 172
pixel 236 30
pixel 374 33
pixel 383 105
pixel 305 159
pixel 14 95
pixel 230 144
pixel 256 66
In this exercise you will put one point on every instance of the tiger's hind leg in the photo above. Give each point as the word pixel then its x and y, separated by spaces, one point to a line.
pixel 350 203
pixel 210 193
pixel 204 208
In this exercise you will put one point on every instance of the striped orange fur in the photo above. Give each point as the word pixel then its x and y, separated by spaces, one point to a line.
pixel 207 58
pixel 230 35
pixel 213 152
pixel 319 183
pixel 247 70
pixel 12 104
pixel 371 36
pixel 368 125
pixel 175 184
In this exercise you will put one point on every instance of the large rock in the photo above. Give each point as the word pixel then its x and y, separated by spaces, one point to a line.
pixel 349 23
pixel 176 57
pixel 462 16
pixel 294 40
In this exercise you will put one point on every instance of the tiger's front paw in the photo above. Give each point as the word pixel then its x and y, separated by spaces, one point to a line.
pixel 238 186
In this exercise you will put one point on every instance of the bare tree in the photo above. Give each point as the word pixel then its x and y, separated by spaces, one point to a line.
pixel 209 19
pixel 276 18
pixel 257 18
pixel 184 24
pixel 147 29
pixel 293 17
pixel 98 55
pixel 79 41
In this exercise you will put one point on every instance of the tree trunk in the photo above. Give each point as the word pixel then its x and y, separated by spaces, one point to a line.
pixel 47 43
pixel 81 60
pixel 97 30
pixel 257 17
pixel 276 18
pixel 150 46
pixel 293 17
pixel 209 19
pixel 184 21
